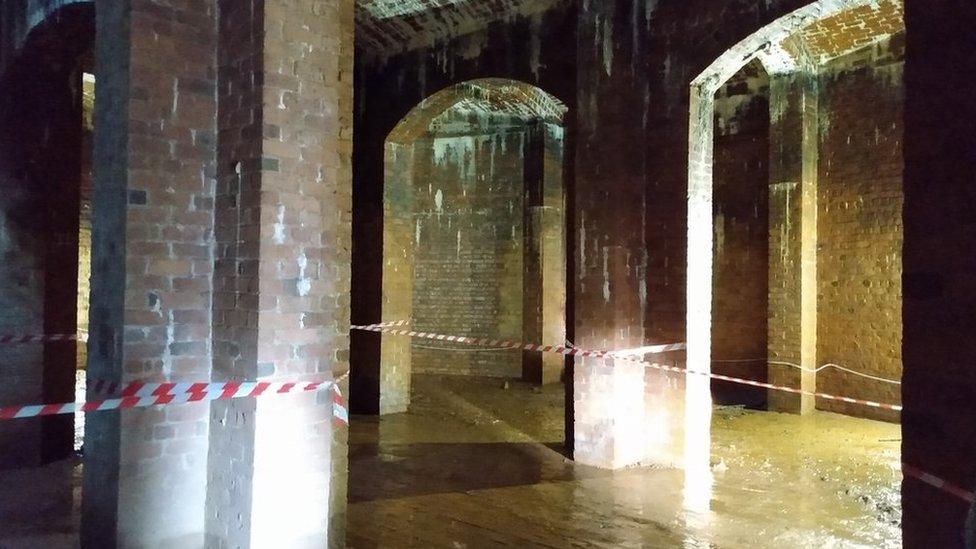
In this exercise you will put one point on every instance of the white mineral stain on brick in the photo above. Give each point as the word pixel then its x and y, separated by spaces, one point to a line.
pixel 279 226
pixel 603 38
pixel 304 285
pixel 719 233
pixel 176 95
pixel 439 201
pixel 535 47
pixel 167 353
pixel 649 8
pixel 582 245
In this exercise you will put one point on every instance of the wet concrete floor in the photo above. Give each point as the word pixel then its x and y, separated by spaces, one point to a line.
pixel 475 464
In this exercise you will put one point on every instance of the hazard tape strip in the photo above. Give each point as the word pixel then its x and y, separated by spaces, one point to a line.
pixel 143 395
pixel 656 349
pixel 15 339
pixel 937 482
pixel 510 344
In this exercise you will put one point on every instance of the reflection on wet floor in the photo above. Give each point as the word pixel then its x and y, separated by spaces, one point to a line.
pixel 474 464
pixel 477 463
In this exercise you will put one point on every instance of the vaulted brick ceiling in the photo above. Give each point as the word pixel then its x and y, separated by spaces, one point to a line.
pixel 853 29
pixel 479 103
pixel 844 33
pixel 848 31
pixel 387 26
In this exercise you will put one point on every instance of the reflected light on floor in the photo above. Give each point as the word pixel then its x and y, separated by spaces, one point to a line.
pixel 698 474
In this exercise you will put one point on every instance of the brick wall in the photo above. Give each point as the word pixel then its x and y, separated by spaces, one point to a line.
pixel 21 310
pixel 468 218
pixel 791 321
pixel 740 283
pixel 859 259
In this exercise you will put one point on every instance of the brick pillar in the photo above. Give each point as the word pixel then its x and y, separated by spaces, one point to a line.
pixel 394 367
pixel 792 321
pixel 544 264
pixel 278 465
pixel 610 200
pixel 145 469
pixel 697 402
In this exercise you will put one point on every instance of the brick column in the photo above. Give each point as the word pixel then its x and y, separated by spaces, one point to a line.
pixel 394 368
pixel 697 407
pixel 792 321
pixel 544 264
pixel 145 469
pixel 278 465
pixel 612 410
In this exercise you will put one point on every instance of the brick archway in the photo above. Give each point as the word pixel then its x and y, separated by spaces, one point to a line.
pixel 764 45
pixel 43 169
pixel 538 306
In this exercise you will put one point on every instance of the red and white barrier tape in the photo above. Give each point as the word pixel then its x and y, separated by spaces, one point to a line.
pixel 937 482
pixel 656 349
pixel 142 395
pixel 14 339
pixel 509 344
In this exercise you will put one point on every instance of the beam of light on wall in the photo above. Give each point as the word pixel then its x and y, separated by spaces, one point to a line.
pixel 291 472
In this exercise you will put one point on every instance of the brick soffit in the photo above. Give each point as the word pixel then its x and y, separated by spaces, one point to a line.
pixel 385 27
pixel 489 99
pixel 773 43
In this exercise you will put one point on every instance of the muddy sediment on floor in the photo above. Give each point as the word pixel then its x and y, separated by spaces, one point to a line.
pixel 479 461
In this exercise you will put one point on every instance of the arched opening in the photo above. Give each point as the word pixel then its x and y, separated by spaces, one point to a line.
pixel 473 245
pixel 741 213
pixel 45 238
pixel 795 240
pixel 474 235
